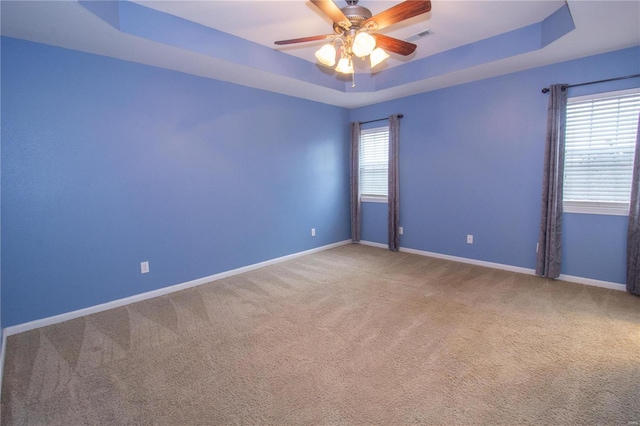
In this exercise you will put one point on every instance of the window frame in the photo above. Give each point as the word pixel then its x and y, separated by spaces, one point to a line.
pixel 597 207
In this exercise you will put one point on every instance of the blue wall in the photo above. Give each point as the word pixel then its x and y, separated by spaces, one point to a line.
pixel 107 163
pixel 471 163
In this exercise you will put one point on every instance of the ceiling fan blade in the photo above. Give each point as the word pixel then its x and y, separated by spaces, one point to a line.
pixel 400 12
pixel 391 44
pixel 305 39
pixel 332 11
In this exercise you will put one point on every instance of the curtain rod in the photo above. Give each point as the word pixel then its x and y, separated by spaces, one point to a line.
pixel 379 119
pixel 546 89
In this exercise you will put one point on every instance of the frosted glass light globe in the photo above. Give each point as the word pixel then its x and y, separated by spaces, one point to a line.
pixel 345 66
pixel 327 55
pixel 377 56
pixel 363 45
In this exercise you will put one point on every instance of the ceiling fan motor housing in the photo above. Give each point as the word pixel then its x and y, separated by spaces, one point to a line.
pixel 355 14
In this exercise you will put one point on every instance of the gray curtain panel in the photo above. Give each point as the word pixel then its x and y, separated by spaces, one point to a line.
pixel 394 186
pixel 355 182
pixel 633 233
pixel 549 257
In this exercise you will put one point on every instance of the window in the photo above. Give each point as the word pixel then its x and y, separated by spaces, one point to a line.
pixel 374 164
pixel 599 152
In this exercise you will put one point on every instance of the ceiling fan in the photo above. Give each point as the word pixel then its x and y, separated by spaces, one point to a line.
pixel 355 35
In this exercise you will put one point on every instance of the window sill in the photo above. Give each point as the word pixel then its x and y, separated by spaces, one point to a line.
pixel 373 199
pixel 612 209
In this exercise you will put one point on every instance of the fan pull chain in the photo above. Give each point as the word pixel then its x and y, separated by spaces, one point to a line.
pixel 353 79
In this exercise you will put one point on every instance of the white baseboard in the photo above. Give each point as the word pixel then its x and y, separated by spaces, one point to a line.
pixel 595 283
pixel 476 262
pixel 528 271
pixel 15 329
pixel 372 244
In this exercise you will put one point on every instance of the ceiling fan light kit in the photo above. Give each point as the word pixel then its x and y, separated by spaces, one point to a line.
pixel 362 45
pixel 354 28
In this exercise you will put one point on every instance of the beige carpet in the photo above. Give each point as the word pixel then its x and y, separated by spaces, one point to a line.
pixel 354 335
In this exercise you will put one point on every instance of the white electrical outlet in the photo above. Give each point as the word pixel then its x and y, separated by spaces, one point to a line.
pixel 144 267
pixel 313 232
pixel 469 239
pixel 401 230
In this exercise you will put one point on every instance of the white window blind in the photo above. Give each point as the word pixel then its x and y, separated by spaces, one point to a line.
pixel 374 163
pixel 599 152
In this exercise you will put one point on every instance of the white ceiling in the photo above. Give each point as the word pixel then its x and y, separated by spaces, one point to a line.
pixel 601 26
